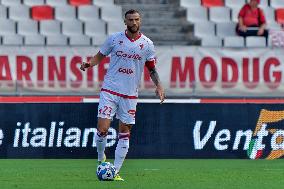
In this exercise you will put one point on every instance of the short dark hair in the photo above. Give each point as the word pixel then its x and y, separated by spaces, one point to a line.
pixel 131 11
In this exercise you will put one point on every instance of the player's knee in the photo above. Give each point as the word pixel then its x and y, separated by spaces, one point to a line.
pixel 125 128
pixel 102 132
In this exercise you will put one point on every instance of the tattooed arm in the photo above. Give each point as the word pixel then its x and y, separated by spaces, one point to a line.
pixel 159 88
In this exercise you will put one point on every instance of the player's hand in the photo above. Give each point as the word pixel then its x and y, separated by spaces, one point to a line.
pixel 243 28
pixel 260 32
pixel 85 65
pixel 160 93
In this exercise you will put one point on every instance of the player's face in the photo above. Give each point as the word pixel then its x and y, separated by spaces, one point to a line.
pixel 133 22
pixel 253 3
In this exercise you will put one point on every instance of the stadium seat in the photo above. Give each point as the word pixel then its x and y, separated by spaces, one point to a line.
pixel 7 27
pixel 56 3
pixel 49 27
pixel 12 39
pixel 57 40
pixel 79 40
pixel 74 27
pixel 102 3
pixel 211 41
pixel 235 14
pixel 269 14
pixel 212 3
pixel 277 4
pixel 192 3
pixel 111 13
pixel 220 14
pixel 29 27
pixel 79 2
pixel 202 29
pixel 64 13
pixel 95 27
pixel 234 41
pixel 42 12
pixel 273 25
pixel 235 4
pixel 225 29
pixel 196 14
pixel 115 26
pixel 264 3
pixel 3 12
pixel 279 15
pixel 34 40
pixel 98 39
pixel 255 41
pixel 88 13
pixel 11 2
pixel 19 12
pixel 33 2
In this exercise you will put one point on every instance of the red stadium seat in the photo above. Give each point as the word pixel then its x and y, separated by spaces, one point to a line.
pixel 79 2
pixel 212 3
pixel 42 12
pixel 279 15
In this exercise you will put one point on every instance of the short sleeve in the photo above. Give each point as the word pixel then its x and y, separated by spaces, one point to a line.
pixel 151 53
pixel 242 11
pixel 107 47
pixel 262 17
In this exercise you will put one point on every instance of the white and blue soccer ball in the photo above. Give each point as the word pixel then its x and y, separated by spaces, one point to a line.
pixel 106 171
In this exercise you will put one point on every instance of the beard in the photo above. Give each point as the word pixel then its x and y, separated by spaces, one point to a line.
pixel 133 29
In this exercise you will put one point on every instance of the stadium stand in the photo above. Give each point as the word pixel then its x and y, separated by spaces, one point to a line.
pixel 167 22
pixel 225 16
pixel 164 21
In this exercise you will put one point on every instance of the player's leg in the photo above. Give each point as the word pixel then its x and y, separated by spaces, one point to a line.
pixel 122 144
pixel 106 110
pixel 101 137
pixel 126 115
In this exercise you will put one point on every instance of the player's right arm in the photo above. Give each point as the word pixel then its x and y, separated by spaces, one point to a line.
pixel 93 61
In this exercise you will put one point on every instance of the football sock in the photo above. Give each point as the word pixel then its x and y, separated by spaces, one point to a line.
pixel 121 150
pixel 101 141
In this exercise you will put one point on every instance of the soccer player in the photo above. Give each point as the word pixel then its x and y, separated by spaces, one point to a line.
pixel 130 50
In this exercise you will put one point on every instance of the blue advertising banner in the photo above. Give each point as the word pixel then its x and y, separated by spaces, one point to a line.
pixel 59 130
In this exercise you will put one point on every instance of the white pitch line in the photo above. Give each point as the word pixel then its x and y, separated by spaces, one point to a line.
pixel 273 169
pixel 151 169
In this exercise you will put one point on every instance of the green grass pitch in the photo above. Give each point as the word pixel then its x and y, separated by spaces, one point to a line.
pixel 140 174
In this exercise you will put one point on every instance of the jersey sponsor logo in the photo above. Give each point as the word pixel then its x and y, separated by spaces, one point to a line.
pixel 125 71
pixel 126 55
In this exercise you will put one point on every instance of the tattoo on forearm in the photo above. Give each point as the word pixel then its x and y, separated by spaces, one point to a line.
pixel 155 76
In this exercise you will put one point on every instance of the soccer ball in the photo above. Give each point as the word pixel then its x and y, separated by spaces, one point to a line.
pixel 106 171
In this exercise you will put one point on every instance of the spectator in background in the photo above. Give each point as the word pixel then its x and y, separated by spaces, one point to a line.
pixel 252 20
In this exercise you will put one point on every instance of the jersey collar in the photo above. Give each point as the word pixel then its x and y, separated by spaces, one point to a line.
pixel 136 38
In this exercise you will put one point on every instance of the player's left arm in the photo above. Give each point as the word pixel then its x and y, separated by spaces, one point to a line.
pixel 156 79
